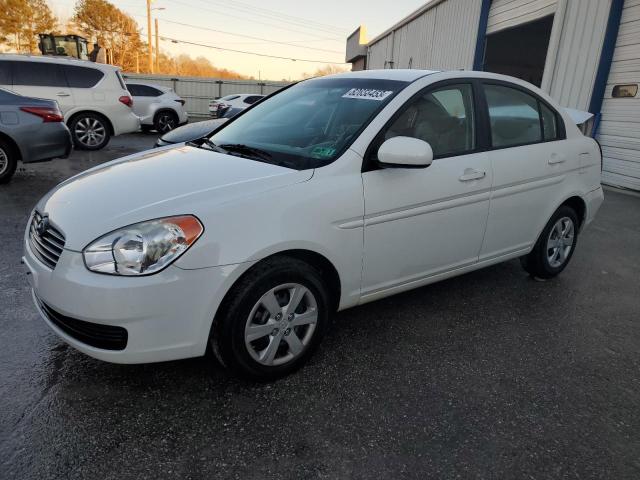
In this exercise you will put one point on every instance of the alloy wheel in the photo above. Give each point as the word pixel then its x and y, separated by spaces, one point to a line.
pixel 90 131
pixel 281 324
pixel 560 242
pixel 4 161
pixel 166 122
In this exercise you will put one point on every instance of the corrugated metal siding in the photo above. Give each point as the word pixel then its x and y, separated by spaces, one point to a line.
pixel 197 91
pixel 441 38
pixel 580 46
pixel 509 13
pixel 620 126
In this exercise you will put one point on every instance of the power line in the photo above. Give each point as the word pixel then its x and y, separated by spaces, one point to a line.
pixel 275 15
pixel 245 19
pixel 249 36
pixel 187 42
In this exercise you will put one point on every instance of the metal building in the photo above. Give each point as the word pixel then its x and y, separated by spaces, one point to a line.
pixel 585 53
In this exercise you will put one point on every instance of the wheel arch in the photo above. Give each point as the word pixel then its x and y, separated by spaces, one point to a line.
pixel 12 143
pixel 73 116
pixel 578 204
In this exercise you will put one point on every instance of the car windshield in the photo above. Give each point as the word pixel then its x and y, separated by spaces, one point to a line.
pixel 307 125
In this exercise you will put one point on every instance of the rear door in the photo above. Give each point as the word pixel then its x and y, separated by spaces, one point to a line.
pixel 529 162
pixel 144 97
pixel 42 80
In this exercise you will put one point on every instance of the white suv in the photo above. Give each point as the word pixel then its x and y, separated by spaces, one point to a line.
pixel 158 107
pixel 93 98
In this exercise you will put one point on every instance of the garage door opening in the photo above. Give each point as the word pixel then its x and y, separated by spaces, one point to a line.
pixel 520 51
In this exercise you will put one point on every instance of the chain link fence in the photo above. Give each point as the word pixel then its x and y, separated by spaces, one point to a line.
pixel 198 91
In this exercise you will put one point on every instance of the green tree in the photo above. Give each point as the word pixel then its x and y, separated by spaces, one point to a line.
pixel 22 20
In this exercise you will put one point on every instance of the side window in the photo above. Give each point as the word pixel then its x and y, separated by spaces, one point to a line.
pixel 133 89
pixel 444 118
pixel 549 123
pixel 82 77
pixel 514 117
pixel 5 73
pixel 39 74
pixel 138 90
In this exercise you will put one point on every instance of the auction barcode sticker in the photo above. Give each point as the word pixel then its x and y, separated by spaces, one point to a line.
pixel 367 94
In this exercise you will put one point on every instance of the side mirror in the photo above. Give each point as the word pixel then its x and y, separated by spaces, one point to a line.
pixel 405 152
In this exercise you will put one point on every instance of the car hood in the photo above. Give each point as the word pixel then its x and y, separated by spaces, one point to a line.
pixel 192 131
pixel 157 183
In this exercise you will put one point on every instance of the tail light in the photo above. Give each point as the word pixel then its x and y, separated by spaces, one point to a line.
pixel 48 114
pixel 127 100
pixel 181 102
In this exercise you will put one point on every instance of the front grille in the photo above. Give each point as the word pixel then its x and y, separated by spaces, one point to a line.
pixel 46 242
pixel 96 335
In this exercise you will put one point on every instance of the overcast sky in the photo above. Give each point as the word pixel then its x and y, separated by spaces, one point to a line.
pixel 319 29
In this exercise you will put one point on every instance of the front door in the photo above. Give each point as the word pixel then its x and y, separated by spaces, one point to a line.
pixel 421 222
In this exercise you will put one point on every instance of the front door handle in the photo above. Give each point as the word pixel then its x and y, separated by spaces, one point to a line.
pixel 556 158
pixel 471 174
pixel 63 94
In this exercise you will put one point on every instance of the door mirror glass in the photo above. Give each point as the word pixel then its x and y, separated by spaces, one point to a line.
pixel 405 152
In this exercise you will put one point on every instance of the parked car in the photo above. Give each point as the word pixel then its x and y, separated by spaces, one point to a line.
pixel 31 130
pixel 333 192
pixel 217 108
pixel 93 98
pixel 190 132
pixel 158 107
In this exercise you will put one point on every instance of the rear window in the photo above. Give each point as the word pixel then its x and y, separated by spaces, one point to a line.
pixel 38 74
pixel 5 73
pixel 82 77
pixel 252 99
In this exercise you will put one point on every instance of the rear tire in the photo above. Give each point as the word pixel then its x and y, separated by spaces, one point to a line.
pixel 256 335
pixel 8 161
pixel 554 249
pixel 90 131
pixel 165 121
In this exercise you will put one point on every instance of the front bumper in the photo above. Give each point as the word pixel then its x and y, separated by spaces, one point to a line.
pixel 167 316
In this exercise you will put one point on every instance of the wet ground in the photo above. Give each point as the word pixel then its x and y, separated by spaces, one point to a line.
pixel 489 375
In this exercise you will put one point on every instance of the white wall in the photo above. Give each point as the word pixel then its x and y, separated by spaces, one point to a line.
pixel 441 38
pixel 620 127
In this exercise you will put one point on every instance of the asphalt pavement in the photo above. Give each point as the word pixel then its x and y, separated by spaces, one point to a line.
pixel 488 375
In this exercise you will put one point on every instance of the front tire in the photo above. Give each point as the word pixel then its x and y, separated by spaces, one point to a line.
pixel 90 131
pixel 272 320
pixel 554 249
pixel 8 161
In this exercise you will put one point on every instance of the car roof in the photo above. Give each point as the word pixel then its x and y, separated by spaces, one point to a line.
pixel 405 75
pixel 60 60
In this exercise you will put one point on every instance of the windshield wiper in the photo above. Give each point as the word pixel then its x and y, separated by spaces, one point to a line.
pixel 246 150
pixel 208 143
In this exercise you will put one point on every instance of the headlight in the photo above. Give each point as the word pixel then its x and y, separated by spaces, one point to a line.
pixel 143 248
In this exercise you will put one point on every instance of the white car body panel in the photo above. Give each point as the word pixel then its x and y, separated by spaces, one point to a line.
pixel 384 231
pixel 101 98
pixel 147 107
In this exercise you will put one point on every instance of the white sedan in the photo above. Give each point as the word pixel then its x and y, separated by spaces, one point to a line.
pixel 239 101
pixel 334 192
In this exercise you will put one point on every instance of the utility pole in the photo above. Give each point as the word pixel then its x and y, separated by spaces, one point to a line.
pixel 150 53
pixel 157 48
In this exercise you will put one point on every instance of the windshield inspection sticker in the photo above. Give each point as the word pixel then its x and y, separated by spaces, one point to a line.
pixel 367 94
pixel 322 152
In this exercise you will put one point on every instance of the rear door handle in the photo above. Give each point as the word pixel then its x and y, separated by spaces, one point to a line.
pixel 63 94
pixel 471 174
pixel 556 158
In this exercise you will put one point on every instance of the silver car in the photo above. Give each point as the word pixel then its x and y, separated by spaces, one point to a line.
pixel 158 107
pixel 31 130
